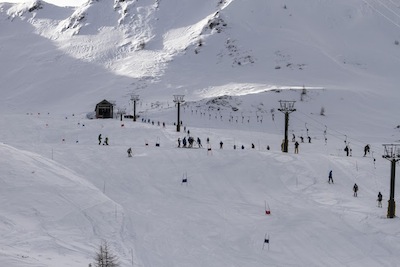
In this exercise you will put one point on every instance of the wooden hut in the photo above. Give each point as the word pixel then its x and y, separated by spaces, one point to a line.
pixel 104 110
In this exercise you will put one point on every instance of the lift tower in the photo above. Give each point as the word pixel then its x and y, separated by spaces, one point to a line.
pixel 392 153
pixel 287 107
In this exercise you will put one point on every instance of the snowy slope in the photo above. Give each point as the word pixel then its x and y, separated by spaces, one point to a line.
pixel 50 215
pixel 233 60
pixel 217 219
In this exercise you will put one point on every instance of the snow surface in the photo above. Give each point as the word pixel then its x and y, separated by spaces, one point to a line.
pixel 63 3
pixel 234 60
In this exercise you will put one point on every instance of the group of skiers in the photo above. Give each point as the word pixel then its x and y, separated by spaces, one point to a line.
pixel 152 122
pixel 105 143
pixel 349 151
pixel 296 143
pixel 301 138
pixel 355 189
pixel 347 148
pixel 189 142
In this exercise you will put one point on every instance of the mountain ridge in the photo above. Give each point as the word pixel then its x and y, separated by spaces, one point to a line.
pixel 167 50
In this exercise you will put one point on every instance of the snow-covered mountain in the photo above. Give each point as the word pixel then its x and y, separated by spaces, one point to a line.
pixel 201 49
pixel 234 60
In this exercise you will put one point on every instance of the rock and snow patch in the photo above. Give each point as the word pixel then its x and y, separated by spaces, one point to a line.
pixel 19 10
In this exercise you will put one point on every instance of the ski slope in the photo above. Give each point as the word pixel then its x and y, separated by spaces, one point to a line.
pixel 233 61
pixel 151 218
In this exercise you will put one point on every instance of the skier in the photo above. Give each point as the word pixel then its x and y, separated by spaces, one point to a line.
pixel 355 189
pixel 190 141
pixel 379 200
pixel 208 140
pixel 221 144
pixel 179 142
pixel 366 150
pixel 105 141
pixel 99 139
pixel 293 138
pixel 330 177
pixel 199 142
pixel 242 146
pixel 129 152
pixel 302 139
pixel 296 147
pixel 347 150
pixel 309 139
pixel 252 145
pixel 184 141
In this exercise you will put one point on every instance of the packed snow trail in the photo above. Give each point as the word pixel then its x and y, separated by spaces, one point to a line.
pixel 220 212
pixel 48 207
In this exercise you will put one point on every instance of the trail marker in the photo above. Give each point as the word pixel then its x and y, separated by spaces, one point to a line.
pixel 267 210
pixel 266 241
pixel 184 179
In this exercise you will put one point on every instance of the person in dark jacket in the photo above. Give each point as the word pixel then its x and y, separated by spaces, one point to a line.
pixel 347 150
pixel 199 142
pixel 366 150
pixel 296 147
pixel 184 141
pixel 190 141
pixel 99 139
pixel 330 177
pixel 355 189
pixel 379 200
pixel 129 152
